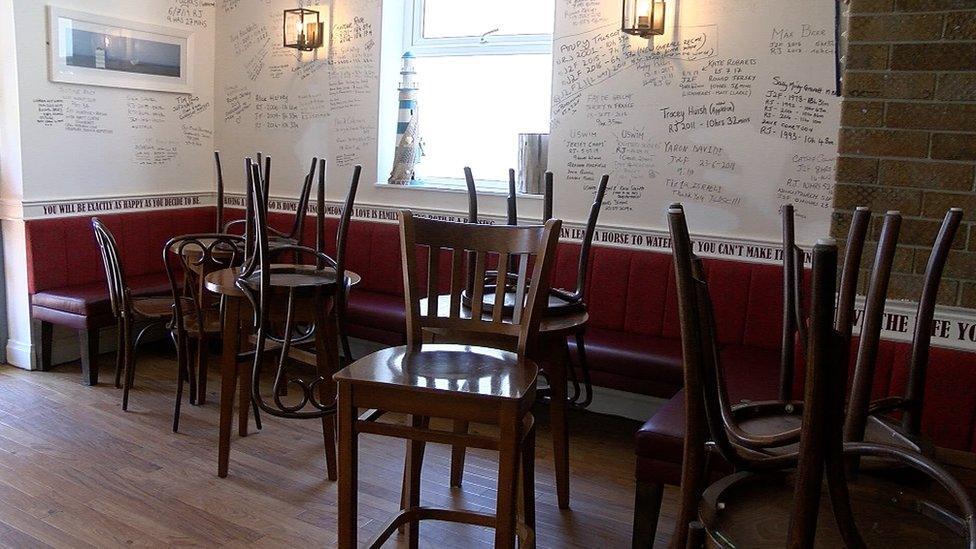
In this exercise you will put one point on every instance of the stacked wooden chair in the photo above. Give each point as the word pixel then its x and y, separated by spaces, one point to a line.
pixel 561 301
pixel 775 495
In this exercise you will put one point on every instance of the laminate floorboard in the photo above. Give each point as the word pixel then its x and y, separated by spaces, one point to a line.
pixel 76 471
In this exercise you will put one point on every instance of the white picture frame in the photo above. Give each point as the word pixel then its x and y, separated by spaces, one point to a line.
pixel 97 50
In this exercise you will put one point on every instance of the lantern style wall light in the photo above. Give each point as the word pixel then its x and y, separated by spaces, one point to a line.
pixel 303 29
pixel 644 18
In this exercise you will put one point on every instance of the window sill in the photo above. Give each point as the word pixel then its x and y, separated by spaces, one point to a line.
pixel 457 186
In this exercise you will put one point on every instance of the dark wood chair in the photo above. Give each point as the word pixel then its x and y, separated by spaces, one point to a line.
pixel 456 382
pixel 561 301
pixel 197 318
pixel 293 305
pixel 871 420
pixel 130 313
pixel 773 499
pixel 294 235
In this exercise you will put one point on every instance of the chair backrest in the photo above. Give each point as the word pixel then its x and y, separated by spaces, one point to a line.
pixel 456 240
pixel 588 234
pixel 220 193
pixel 345 218
pixel 118 289
pixel 871 323
pixel 194 255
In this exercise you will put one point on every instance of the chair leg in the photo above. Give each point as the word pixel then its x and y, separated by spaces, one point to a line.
pixel 89 355
pixel 585 369
pixel 412 467
pixel 344 341
pixel 527 474
pixel 181 377
pixel 129 367
pixel 47 339
pixel 348 469
pixel 201 383
pixel 647 509
pixel 119 355
pixel 184 347
pixel 457 455
pixel 508 463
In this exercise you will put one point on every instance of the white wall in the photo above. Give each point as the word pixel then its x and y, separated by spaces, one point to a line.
pixel 269 98
pixel 138 143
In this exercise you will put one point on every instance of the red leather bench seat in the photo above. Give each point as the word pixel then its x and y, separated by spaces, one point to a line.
pixel 66 276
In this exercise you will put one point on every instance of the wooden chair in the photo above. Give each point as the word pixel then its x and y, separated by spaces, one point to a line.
pixel 778 497
pixel 129 312
pixel 455 382
pixel 342 240
pixel 561 301
pixel 863 415
pixel 197 312
pixel 283 297
pixel 294 235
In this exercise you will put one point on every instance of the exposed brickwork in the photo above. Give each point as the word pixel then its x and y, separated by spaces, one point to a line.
pixel 908 132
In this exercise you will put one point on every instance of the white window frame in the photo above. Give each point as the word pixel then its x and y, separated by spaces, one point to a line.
pixel 488 44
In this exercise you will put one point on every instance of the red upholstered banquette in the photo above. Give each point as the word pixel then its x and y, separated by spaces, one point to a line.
pixel 66 277
pixel 632 340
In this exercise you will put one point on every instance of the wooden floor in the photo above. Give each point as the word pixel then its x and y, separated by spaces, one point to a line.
pixel 77 471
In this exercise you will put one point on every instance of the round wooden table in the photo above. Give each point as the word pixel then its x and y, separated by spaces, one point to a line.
pixel 224 282
pixel 552 356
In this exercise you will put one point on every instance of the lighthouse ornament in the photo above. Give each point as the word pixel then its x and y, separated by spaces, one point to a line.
pixel 408 146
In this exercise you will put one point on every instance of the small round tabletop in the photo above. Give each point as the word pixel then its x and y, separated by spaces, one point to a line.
pixel 224 281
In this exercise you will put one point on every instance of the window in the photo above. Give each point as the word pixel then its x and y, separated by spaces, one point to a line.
pixel 484 72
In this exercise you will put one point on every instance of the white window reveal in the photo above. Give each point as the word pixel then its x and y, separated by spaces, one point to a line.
pixel 481 74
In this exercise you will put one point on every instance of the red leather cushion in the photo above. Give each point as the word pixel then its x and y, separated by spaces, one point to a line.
pixel 380 311
pixel 751 373
pixel 92 298
pixel 645 357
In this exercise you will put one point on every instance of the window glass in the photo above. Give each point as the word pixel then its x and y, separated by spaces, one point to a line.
pixel 463 18
pixel 472 108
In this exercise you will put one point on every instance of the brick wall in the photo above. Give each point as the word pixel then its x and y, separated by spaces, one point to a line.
pixel 908 132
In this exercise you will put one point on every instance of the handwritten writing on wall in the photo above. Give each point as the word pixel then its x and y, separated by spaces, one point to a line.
pixel 715 114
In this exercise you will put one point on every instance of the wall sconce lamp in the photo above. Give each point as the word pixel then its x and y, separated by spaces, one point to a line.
pixel 303 29
pixel 644 18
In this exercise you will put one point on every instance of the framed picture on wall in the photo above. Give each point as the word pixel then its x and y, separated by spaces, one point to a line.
pixel 85 48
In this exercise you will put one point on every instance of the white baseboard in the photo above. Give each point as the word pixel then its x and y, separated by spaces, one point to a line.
pixel 20 354
pixel 623 404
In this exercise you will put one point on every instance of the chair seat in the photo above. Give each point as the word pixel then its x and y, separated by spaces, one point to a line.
pixel 153 307
pixel 753 510
pixel 92 299
pixel 466 369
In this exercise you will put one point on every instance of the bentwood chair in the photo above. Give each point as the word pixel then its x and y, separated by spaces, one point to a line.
pixel 197 315
pixel 285 298
pixel 455 382
pixel 294 235
pixel 130 313
pixel 863 414
pixel 776 499
pixel 561 301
